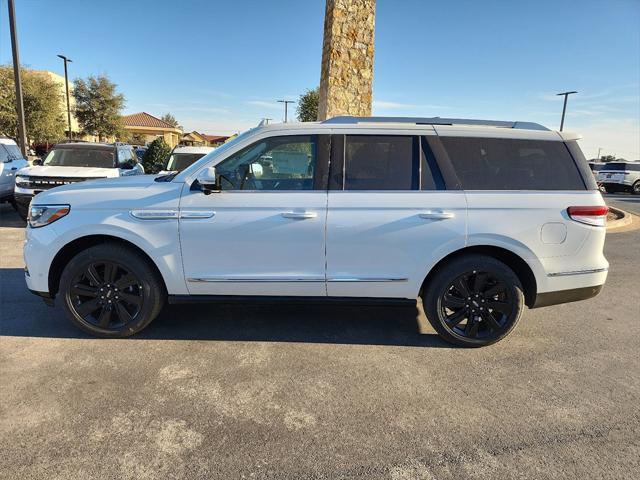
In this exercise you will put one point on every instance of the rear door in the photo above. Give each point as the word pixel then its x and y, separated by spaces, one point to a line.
pixel 389 217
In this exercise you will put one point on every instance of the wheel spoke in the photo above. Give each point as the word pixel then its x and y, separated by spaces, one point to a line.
pixel 491 321
pixel 493 291
pixel 461 286
pixel 105 317
pixel 93 275
pixel 452 302
pixel 471 330
pixel 122 313
pixel 87 307
pixel 479 282
pixel 457 317
pixel 109 272
pixel 133 299
pixel 84 290
pixel 504 307
pixel 127 281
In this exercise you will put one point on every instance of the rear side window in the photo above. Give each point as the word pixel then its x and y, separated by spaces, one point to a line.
pixel 376 162
pixel 621 167
pixel 511 164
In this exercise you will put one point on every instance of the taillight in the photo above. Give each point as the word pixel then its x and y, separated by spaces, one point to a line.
pixel 596 216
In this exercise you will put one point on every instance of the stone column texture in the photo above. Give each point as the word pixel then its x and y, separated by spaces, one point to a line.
pixel 347 58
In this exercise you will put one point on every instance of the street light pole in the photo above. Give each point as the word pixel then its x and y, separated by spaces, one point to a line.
pixel 564 107
pixel 66 84
pixel 286 103
pixel 22 129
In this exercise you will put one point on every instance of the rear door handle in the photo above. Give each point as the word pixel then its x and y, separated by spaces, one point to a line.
pixel 437 215
pixel 299 215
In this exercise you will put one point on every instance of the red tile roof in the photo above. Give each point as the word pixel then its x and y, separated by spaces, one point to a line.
pixel 143 119
pixel 214 138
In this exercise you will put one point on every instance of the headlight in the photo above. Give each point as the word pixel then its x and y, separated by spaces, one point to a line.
pixel 41 215
pixel 22 181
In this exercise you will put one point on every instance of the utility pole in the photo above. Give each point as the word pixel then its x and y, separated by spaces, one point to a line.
pixel 66 84
pixel 22 129
pixel 564 108
pixel 286 103
pixel 598 157
pixel 266 120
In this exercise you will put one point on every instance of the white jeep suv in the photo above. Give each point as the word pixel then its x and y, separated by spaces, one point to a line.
pixel 478 218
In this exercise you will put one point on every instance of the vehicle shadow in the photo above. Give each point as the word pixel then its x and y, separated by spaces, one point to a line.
pixel 25 315
pixel 9 217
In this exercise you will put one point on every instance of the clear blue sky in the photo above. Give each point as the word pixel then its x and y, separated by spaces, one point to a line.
pixel 219 66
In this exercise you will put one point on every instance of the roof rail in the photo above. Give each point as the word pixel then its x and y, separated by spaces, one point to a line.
pixel 437 121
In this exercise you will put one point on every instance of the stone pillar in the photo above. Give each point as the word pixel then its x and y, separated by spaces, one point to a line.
pixel 347 59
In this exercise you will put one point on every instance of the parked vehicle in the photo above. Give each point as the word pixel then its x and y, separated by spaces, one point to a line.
pixel 182 157
pixel 11 160
pixel 140 151
pixel 620 176
pixel 71 163
pixel 477 218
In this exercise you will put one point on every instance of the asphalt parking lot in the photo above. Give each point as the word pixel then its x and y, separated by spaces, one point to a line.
pixel 310 392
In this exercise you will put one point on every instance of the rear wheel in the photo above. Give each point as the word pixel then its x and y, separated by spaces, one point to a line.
pixel 111 291
pixel 474 301
pixel 636 188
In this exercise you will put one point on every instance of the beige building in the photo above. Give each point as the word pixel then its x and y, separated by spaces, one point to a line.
pixel 145 128
pixel 195 139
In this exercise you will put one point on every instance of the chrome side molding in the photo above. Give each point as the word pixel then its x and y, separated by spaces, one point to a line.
pixel 577 272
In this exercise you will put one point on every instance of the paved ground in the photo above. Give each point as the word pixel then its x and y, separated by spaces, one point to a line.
pixel 625 201
pixel 301 393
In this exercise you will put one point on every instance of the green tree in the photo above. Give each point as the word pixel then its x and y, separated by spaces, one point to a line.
pixel 43 106
pixel 98 106
pixel 170 119
pixel 155 156
pixel 608 158
pixel 308 105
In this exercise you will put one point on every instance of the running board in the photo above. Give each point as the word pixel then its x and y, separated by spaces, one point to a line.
pixel 267 299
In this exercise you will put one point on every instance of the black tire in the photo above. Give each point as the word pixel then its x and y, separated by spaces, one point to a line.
pixel 635 189
pixel 111 291
pixel 473 301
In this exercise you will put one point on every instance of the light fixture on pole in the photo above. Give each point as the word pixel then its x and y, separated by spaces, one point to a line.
pixel 286 103
pixel 66 84
pixel 564 107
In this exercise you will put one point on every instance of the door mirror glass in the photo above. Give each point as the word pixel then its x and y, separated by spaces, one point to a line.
pixel 208 180
pixel 36 162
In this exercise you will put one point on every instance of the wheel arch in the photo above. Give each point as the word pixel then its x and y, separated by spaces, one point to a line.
pixel 514 261
pixel 71 249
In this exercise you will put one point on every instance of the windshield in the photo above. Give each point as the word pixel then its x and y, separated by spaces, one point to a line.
pixel 180 161
pixel 80 157
pixel 218 151
pixel 9 152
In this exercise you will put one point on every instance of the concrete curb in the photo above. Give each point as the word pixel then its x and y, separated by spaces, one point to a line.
pixel 625 219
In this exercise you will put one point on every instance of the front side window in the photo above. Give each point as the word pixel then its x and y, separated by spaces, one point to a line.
pixel 512 164
pixel 80 157
pixel 377 162
pixel 276 163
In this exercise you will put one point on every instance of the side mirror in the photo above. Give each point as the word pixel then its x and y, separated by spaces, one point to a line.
pixel 36 162
pixel 208 180
pixel 128 165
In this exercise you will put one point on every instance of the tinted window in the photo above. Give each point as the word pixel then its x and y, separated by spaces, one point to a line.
pixel 124 156
pixel 277 163
pixel 180 161
pixel 13 151
pixel 381 162
pixel 80 157
pixel 621 167
pixel 509 164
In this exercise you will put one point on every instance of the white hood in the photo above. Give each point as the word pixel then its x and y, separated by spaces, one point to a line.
pixel 82 172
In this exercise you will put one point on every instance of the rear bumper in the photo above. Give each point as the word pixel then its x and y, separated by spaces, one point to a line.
pixel 566 296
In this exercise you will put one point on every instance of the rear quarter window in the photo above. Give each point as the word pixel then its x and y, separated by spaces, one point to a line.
pixel 513 164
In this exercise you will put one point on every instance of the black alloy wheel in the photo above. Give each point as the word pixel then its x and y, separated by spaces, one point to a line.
pixel 107 295
pixel 110 290
pixel 636 188
pixel 474 300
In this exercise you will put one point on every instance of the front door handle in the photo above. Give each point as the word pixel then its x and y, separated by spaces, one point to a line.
pixel 299 215
pixel 437 215
pixel 14 168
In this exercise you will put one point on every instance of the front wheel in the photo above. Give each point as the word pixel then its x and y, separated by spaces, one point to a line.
pixel 111 291
pixel 474 301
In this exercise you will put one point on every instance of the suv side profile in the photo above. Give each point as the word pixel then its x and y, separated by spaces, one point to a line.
pixel 476 218
pixel 74 162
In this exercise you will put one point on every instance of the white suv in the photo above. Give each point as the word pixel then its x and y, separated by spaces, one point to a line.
pixel 477 218
pixel 71 163
pixel 11 160
pixel 620 176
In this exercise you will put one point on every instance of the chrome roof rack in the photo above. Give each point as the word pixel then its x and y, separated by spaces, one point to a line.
pixel 437 121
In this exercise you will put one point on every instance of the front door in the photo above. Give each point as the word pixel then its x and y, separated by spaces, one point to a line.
pixel 263 234
pixel 389 218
